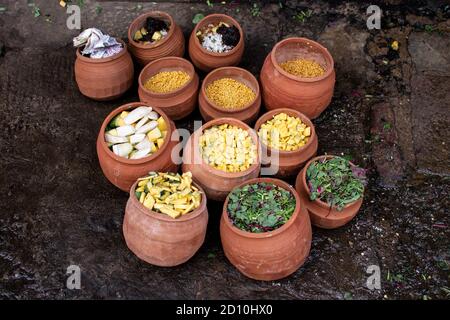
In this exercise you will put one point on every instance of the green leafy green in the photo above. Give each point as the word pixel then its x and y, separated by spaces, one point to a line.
pixel 197 18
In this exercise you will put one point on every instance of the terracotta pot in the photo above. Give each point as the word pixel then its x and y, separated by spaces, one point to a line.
pixel 123 172
pixel 217 183
pixel 323 215
pixel 106 78
pixel 171 45
pixel 289 162
pixel 209 110
pixel 206 60
pixel 283 90
pixel 159 239
pixel 269 255
pixel 178 103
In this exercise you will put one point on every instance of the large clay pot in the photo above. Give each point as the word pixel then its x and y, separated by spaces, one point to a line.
pixel 280 89
pixel 171 45
pixel 217 183
pixel 289 162
pixel 209 110
pixel 178 103
pixel 323 215
pixel 124 172
pixel 159 239
pixel 269 255
pixel 206 60
pixel 106 78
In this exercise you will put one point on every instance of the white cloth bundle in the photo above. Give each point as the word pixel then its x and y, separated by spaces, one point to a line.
pixel 96 44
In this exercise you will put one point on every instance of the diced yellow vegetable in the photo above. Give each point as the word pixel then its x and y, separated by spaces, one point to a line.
pixel 162 124
pixel 154 134
pixel 160 142
pixel 149 201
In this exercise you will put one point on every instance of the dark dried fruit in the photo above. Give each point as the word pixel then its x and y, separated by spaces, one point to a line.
pixel 152 25
pixel 230 35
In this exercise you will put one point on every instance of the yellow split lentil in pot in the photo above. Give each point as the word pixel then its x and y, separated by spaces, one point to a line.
pixel 167 81
pixel 303 68
pixel 230 94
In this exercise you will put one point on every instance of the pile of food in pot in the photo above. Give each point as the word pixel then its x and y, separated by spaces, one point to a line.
pixel 303 68
pixel 153 30
pixel 167 81
pixel 229 93
pixel 137 133
pixel 219 38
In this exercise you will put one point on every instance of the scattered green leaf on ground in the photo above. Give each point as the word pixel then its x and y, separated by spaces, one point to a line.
pixel 211 255
pixel 98 9
pixel 303 15
pixel 255 10
pixel 197 18
pixel 209 3
pixel 387 126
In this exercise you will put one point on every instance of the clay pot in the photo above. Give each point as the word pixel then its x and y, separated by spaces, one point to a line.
pixel 217 183
pixel 280 89
pixel 106 78
pixel 171 45
pixel 323 215
pixel 178 103
pixel 159 239
pixel 289 162
pixel 123 172
pixel 209 110
pixel 206 60
pixel 270 255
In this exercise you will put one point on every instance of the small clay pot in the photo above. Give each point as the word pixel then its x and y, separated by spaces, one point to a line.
pixel 176 104
pixel 322 214
pixel 217 183
pixel 106 78
pixel 206 60
pixel 123 172
pixel 269 255
pixel 159 239
pixel 289 162
pixel 280 89
pixel 209 110
pixel 171 45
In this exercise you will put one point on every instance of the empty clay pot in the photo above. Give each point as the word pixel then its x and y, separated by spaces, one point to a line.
pixel 269 255
pixel 206 60
pixel 289 162
pixel 280 89
pixel 216 183
pixel 106 78
pixel 209 110
pixel 171 45
pixel 159 239
pixel 176 104
pixel 323 215
pixel 124 172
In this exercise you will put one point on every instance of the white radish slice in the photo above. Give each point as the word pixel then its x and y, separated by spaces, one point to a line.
pixel 123 149
pixel 153 115
pixel 144 144
pixel 140 153
pixel 147 127
pixel 113 139
pixel 137 114
pixel 141 122
pixel 125 131
pixel 136 138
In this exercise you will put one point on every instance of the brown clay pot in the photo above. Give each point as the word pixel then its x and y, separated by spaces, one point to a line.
pixel 206 60
pixel 217 183
pixel 289 162
pixel 323 215
pixel 171 45
pixel 280 89
pixel 178 103
pixel 104 79
pixel 209 110
pixel 159 239
pixel 270 255
pixel 123 172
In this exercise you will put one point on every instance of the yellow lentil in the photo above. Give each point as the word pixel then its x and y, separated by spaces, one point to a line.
pixel 167 81
pixel 303 68
pixel 284 132
pixel 227 148
pixel 229 93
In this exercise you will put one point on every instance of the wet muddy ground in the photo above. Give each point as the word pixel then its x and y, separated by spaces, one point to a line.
pixel 390 113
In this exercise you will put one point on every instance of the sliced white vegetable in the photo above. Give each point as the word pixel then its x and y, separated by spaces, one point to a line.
pixel 125 131
pixel 137 114
pixel 141 122
pixel 136 138
pixel 123 149
pixel 147 127
pixel 144 144
pixel 153 115
pixel 140 154
pixel 114 139
pixel 112 132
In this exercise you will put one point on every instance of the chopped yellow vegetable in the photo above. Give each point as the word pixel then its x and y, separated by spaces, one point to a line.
pixel 162 125
pixel 154 134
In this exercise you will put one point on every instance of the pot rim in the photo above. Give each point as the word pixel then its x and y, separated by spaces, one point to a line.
pixel 323 50
pixel 103 60
pixel 151 13
pixel 298 114
pixel 197 133
pixel 127 106
pixel 189 65
pixel 162 216
pixel 305 186
pixel 268 234
pixel 224 110
pixel 217 54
